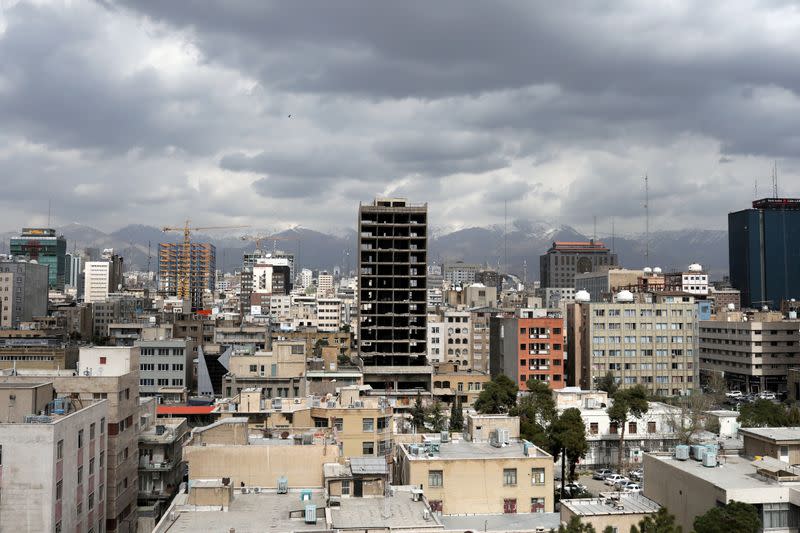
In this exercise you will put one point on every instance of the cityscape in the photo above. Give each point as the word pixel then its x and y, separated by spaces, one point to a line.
pixel 235 297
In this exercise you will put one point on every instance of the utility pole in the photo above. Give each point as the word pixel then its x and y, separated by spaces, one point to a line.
pixel 646 222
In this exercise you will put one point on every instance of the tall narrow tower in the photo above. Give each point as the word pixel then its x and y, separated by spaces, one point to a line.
pixel 392 269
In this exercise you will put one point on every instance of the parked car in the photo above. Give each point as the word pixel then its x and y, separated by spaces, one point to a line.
pixel 767 395
pixel 612 479
pixel 573 488
pixel 734 394
pixel 602 473
pixel 637 474
pixel 622 483
pixel 633 487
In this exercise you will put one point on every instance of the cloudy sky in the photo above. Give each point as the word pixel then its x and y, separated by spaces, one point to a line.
pixel 140 111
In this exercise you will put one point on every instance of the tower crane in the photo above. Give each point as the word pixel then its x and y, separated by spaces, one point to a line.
pixel 258 239
pixel 185 259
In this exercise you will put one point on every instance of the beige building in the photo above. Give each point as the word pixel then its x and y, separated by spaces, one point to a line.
pixel 619 510
pixel 647 339
pixel 460 477
pixel 780 443
pixel 450 383
pixel 281 372
pixel 753 352
pixel 52 465
pixel 603 284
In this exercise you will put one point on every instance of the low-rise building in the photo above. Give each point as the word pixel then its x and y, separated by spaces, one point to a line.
pixel 450 383
pixel 280 372
pixel 781 443
pixel 618 510
pixel 161 465
pixel 358 477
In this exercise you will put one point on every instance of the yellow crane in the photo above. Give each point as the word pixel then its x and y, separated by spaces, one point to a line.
pixel 258 239
pixel 185 259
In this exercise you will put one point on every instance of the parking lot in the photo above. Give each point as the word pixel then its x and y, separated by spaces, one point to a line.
pixel 594 486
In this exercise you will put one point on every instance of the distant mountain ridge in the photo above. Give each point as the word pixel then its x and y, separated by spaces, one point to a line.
pixel 520 247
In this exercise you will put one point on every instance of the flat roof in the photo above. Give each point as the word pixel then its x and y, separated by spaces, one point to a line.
pixel 724 412
pixel 398 511
pixel 267 511
pixel 23 385
pixel 517 522
pixel 624 504
pixel 734 472
pixel 479 450
pixel 778 434
pixel 184 409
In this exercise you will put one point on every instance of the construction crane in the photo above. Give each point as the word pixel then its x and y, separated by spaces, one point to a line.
pixel 185 261
pixel 258 239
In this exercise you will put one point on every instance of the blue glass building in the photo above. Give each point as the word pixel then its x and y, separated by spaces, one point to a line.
pixel 764 251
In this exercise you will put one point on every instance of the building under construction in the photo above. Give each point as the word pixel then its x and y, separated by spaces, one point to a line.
pixel 202 269
pixel 392 261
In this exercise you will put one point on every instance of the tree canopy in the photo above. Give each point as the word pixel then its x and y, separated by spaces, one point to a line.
pixel 608 383
pixel 733 516
pixel 497 396
pixel 568 439
pixel 763 413
pixel 628 403
pixel 660 522
pixel 537 410
pixel 456 416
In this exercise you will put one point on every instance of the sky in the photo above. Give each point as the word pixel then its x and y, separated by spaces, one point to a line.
pixel 276 114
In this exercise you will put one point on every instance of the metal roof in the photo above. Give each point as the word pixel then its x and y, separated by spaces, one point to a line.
pixel 368 465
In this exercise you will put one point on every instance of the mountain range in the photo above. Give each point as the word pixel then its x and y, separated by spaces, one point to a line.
pixel 519 247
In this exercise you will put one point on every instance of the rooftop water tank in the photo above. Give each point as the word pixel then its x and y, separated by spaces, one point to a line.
pixel 624 296
pixel 695 267
pixel 710 458
pixel 657 270
pixel 681 452
pixel 647 270
pixel 582 296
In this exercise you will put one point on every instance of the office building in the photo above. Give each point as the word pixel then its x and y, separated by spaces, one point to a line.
pixel 53 460
pixel 764 252
pixel 202 269
pixel 752 351
pixel 23 292
pixel 460 273
pixel 36 349
pixel 528 346
pixel 97 281
pixel 73 276
pixel 648 339
pixel 558 267
pixel 45 247
pixel 324 284
pixel 164 364
pixel 392 269
pixel 116 269
pixel 604 283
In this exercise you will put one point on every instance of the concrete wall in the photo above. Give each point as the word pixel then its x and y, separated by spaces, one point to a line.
pixel 108 360
pixel 480 427
pixel 261 465
pixel 754 446
pixel 27 400
pixel 211 496
pixel 221 433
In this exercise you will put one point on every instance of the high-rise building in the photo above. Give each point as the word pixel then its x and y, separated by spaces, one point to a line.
pixel 324 284
pixel 529 346
pixel 74 268
pixel 202 269
pixel 460 273
pixel 42 245
pixel 115 269
pixel 23 292
pixel 764 252
pixel 557 267
pixel 97 280
pixel 392 269
pixel 306 278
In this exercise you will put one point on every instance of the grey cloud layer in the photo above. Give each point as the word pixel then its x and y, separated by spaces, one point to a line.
pixel 556 112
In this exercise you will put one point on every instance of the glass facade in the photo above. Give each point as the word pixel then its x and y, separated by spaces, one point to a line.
pixel 42 245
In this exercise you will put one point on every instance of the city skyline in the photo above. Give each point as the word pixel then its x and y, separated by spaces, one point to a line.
pixel 261 114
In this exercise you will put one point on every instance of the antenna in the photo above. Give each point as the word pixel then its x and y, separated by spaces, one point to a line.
pixel 48 212
pixel 646 221
pixel 149 257
pixel 613 235
pixel 755 189
pixel 775 179
pixel 505 237
pixel 594 230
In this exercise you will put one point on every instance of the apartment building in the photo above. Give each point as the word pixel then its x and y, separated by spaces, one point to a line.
pixel 529 346
pixel 52 466
pixel 280 372
pixel 313 337
pixel 460 273
pixel 23 292
pixel 324 284
pixel 648 339
pixel 329 314
pixel 161 465
pixel 97 281
pixel 752 351
pixel 463 477
pixel 453 383
pixel 36 349
pixel 605 282
pixel 164 364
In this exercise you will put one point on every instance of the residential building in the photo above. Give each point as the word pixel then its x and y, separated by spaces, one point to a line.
pixel 451 383
pixel 602 284
pixel 725 298
pixel 329 314
pixel 164 364
pixel 461 477
pixel 52 466
pixel 436 338
pixel 693 281
pixel 618 510
pixel 529 346
pixel 648 339
pixel 97 281
pixel 752 351
pixel 161 465
pixel 358 477
pixel 324 284
pixel 306 278
pixel 202 269
pixel 281 371
pixel 460 273
pixel 392 269
pixel 36 350
pixel 23 292
pixel 559 265
pixel 45 247
pixel 270 276
pixel 115 271
pixel 313 338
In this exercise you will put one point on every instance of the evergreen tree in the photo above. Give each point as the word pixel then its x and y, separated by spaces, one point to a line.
pixel 660 522
pixel 498 396
pixel 456 416
pixel 764 414
pixel 537 410
pixel 628 403
pixel 607 383
pixel 576 526
pixel 418 414
pixel 568 438
pixel 435 417
pixel 733 516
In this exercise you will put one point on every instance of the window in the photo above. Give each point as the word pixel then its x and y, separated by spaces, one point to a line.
pixel 253 368
pixel 58 527
pixel 80 439
pixel 778 515
pixel 593 428
pixel 60 450
pixel 91 431
pixel 102 425
pixel 651 427
pixel 368 424
pixel 91 466
pixel 298 349
pixel 345 487
pixel 177 367
pixel 368 448
pixel 59 490
pixel 163 382
pixel 91 501
pixel 79 508
pixel 613 428
pixel 510 477
pixel 435 478
pixel 338 424
pixel 632 428
pixel 103 360
pixel 163 367
pixel 102 461
pixel 537 476
pixel 537 505
pixel 80 475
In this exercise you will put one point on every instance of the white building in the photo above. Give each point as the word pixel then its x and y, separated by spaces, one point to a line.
pixel 436 339
pixel 108 360
pixel 329 314
pixel 325 284
pixel 306 278
pixel 97 278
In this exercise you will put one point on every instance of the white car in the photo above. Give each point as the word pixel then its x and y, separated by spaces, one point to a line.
pixel 767 395
pixel 612 480
pixel 633 487
pixel 734 394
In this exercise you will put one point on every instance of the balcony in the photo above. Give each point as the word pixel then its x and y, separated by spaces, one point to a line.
pixel 540 336
pixel 539 352
pixel 157 466
pixel 539 367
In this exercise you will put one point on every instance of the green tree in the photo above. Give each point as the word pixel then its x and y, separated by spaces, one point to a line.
pixel 435 417
pixel 660 522
pixel 608 383
pixel 568 438
pixel 733 516
pixel 418 414
pixel 793 417
pixel 627 403
pixel 456 416
pixel 576 526
pixel 763 413
pixel 498 396
pixel 716 388
pixel 537 410
pixel 688 415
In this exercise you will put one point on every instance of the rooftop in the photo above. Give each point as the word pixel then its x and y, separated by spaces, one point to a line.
pixel 398 511
pixel 621 503
pixel 267 511
pixel 734 472
pixel 478 450
pixel 518 522
pixel 777 434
